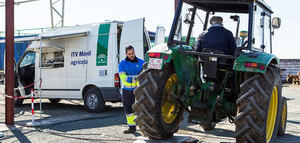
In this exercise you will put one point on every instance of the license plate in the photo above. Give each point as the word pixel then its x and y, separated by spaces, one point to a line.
pixel 155 63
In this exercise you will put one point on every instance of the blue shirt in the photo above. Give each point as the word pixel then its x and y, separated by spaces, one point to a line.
pixel 219 38
pixel 131 68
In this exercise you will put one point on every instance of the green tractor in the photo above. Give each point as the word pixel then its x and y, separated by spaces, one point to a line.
pixel 210 86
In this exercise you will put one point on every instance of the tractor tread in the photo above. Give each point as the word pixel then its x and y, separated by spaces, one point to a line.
pixel 144 83
pixel 148 96
pixel 261 90
pixel 253 106
pixel 256 106
pixel 251 91
pixel 137 118
pixel 248 81
pixel 267 78
pixel 259 129
pixel 152 80
pixel 249 138
pixel 244 129
pixel 148 126
pixel 138 102
pixel 148 104
pixel 249 108
pixel 143 73
pixel 147 112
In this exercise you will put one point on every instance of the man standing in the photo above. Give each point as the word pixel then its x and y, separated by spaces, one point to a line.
pixel 217 37
pixel 129 69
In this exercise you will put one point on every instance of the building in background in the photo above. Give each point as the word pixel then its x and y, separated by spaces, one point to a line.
pixel 289 67
pixel 20 48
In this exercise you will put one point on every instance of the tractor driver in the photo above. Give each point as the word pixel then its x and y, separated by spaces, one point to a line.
pixel 216 37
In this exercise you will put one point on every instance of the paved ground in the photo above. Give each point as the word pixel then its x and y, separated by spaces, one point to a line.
pixel 69 122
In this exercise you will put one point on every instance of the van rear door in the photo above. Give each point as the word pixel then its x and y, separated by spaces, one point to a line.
pixel 134 34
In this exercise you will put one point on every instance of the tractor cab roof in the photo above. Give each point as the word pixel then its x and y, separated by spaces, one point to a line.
pixel 232 6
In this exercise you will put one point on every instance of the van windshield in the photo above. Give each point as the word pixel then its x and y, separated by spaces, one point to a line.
pixel 28 59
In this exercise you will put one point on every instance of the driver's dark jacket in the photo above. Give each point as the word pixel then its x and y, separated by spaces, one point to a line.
pixel 219 38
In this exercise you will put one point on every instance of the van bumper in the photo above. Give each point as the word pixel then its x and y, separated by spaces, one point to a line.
pixel 110 94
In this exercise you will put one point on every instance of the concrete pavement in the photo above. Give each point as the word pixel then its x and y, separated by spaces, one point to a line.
pixel 69 122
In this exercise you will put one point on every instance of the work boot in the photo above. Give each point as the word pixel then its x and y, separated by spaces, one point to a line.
pixel 131 130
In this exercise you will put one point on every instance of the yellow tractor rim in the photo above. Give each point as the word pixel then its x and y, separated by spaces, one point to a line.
pixel 167 107
pixel 272 115
pixel 283 120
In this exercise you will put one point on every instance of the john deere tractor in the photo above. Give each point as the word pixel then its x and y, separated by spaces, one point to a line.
pixel 209 85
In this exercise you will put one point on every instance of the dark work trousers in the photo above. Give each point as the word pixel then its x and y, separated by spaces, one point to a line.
pixel 128 100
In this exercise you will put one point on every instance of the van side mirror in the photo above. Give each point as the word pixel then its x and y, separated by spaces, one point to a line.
pixel 276 23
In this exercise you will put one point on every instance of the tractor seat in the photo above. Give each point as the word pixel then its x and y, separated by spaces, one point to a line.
pixel 222 62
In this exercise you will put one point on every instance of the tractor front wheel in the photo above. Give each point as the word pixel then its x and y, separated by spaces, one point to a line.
pixel 258 112
pixel 157 109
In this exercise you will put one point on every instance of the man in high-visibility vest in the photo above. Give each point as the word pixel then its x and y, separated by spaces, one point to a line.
pixel 129 69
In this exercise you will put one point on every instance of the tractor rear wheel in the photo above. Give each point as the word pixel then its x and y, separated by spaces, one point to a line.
pixel 258 112
pixel 283 117
pixel 157 110
pixel 208 126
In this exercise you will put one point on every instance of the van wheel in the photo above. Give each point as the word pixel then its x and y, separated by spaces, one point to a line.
pixel 93 100
pixel 18 102
pixel 55 100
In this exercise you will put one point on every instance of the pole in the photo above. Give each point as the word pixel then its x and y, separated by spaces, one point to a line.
pixel 51 12
pixel 40 91
pixel 32 106
pixel 63 13
pixel 176 4
pixel 9 62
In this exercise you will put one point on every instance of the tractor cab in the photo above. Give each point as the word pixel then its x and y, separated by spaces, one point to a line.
pixel 247 19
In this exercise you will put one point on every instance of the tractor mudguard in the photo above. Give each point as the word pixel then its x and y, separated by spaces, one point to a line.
pixel 256 62
pixel 163 50
pixel 184 64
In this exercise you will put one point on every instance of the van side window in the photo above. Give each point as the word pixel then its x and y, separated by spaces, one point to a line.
pixel 53 59
pixel 28 59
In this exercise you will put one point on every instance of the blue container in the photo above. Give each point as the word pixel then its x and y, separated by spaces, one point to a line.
pixel 20 48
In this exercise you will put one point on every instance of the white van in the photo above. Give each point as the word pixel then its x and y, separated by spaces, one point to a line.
pixel 81 62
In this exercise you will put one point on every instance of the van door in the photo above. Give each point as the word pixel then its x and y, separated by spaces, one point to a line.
pixel 134 34
pixel 53 70
pixel 77 54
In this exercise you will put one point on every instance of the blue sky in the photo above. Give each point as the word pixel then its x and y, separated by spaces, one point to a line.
pixel 156 12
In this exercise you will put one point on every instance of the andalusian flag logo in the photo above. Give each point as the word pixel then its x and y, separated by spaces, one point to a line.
pixel 102 45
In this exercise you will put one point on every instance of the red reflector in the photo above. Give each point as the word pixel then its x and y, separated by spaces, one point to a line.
pixel 262 67
pixel 252 65
pixel 117 80
pixel 166 57
pixel 156 55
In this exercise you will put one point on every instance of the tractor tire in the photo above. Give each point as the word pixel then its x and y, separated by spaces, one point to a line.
pixel 149 106
pixel 283 117
pixel 18 102
pixel 208 126
pixel 93 100
pixel 258 113
pixel 55 100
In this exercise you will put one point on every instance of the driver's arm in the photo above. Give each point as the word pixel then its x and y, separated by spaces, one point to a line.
pixel 232 43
